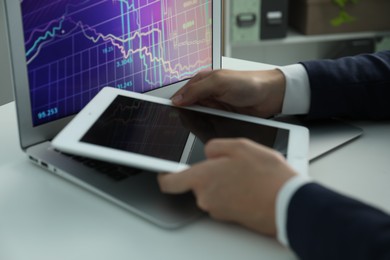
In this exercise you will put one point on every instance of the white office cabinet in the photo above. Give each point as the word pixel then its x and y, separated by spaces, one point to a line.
pixel 245 21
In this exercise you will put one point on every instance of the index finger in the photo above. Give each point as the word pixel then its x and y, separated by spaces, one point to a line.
pixel 175 183
pixel 177 98
pixel 184 181
pixel 199 76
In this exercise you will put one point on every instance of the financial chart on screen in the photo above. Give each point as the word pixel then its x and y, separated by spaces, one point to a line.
pixel 74 48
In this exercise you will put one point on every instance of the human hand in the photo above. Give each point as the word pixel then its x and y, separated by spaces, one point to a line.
pixel 238 182
pixel 257 93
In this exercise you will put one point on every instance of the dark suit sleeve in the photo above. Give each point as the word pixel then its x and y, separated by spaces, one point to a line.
pixel 355 87
pixel 323 224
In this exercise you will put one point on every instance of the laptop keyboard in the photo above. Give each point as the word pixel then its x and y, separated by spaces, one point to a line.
pixel 113 171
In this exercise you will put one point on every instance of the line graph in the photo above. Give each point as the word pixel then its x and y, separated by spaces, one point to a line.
pixel 75 48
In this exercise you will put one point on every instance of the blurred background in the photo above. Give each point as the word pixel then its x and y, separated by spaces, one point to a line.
pixel 282 32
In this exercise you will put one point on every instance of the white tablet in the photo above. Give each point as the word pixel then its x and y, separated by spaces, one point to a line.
pixel 150 133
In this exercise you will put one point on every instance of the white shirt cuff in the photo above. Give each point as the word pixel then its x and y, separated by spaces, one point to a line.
pixel 282 202
pixel 297 95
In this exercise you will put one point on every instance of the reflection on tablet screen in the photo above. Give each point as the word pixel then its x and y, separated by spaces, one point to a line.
pixel 162 131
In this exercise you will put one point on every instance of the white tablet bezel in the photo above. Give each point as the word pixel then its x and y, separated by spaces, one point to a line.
pixel 68 139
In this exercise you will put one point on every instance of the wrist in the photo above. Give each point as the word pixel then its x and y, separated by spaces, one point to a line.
pixel 297 90
pixel 284 196
pixel 271 86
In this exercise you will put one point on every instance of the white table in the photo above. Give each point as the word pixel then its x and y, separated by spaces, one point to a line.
pixel 45 217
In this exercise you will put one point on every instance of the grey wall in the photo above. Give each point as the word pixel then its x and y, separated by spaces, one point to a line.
pixel 6 92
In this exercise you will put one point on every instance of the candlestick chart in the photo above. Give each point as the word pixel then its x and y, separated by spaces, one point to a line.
pixel 74 48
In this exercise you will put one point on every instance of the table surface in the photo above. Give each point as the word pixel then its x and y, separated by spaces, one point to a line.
pixel 43 216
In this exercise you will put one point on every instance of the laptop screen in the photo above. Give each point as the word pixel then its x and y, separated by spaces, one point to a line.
pixel 74 48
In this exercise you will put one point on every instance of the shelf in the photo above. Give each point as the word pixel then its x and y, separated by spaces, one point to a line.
pixel 295 37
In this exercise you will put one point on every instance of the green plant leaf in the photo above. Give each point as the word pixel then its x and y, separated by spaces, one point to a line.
pixel 340 3
pixel 343 3
pixel 343 18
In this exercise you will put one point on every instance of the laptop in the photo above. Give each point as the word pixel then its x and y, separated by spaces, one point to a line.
pixel 64 52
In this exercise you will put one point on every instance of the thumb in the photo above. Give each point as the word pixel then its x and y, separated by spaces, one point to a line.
pixel 222 147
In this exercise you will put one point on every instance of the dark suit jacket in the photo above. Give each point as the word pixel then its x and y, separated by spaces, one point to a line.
pixel 357 87
pixel 322 224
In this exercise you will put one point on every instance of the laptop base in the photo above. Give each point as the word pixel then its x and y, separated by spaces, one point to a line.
pixel 325 134
pixel 139 193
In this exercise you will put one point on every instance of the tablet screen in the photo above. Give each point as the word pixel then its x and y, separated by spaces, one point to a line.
pixel 162 131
